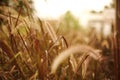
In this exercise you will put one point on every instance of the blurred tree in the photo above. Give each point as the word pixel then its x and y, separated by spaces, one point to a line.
pixel 93 11
pixel 113 4
pixel 70 21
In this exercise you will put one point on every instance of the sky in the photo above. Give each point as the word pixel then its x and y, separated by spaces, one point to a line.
pixel 55 8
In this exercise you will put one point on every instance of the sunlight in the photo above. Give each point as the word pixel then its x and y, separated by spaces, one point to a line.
pixel 55 8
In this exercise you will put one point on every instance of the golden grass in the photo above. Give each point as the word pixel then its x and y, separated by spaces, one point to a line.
pixel 73 50
pixel 30 49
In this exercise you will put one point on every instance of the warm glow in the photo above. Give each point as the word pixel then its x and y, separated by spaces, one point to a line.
pixel 54 8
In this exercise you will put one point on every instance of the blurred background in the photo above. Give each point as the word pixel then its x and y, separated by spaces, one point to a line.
pixel 86 17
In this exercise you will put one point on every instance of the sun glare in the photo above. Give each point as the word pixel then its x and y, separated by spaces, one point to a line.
pixel 55 8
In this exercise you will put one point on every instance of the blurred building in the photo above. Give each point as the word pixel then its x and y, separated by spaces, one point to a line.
pixel 102 21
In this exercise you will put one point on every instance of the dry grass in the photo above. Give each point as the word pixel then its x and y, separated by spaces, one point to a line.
pixel 81 49
pixel 30 49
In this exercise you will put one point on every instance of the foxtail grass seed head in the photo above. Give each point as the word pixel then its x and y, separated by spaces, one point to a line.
pixel 73 50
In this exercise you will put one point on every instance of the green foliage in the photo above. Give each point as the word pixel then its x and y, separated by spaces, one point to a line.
pixel 70 22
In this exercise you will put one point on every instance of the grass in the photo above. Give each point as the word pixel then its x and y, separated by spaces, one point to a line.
pixel 31 49
pixel 28 51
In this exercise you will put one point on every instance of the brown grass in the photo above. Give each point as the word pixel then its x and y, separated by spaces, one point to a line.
pixel 30 49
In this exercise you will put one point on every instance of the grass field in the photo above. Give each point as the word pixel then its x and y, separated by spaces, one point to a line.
pixel 33 49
